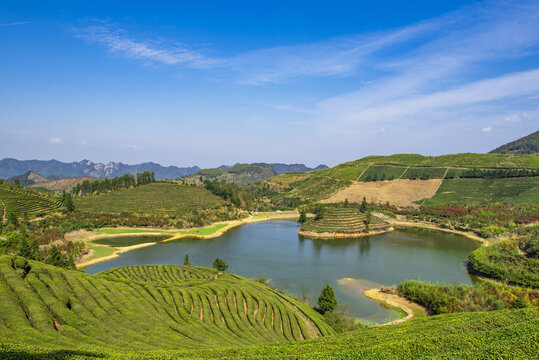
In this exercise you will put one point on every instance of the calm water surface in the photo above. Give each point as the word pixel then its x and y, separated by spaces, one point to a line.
pixel 303 266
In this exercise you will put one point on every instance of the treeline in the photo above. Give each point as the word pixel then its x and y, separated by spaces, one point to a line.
pixel 238 195
pixel 121 182
pixel 381 177
pixel 443 299
pixel 491 173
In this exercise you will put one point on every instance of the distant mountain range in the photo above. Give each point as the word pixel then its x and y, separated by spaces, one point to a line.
pixel 53 169
pixel 56 169
pixel 525 145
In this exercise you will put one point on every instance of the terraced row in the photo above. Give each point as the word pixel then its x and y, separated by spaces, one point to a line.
pixel 21 202
pixel 146 308
pixel 345 221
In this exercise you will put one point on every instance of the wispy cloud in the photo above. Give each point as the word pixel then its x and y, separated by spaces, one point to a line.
pixel 117 41
pixel 55 140
pixel 487 129
pixel 132 146
pixel 16 23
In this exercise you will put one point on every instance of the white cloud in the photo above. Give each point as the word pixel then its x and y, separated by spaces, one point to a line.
pixel 382 130
pixel 487 129
pixel 513 118
pixel 131 146
pixel 55 140
pixel 148 50
pixel 16 23
pixel 83 142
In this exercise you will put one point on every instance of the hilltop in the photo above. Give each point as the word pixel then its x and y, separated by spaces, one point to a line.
pixel 413 178
pixel 29 178
pixel 526 145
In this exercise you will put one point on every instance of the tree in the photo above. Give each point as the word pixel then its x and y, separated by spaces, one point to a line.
pixel 318 212
pixel 220 264
pixel 363 207
pixel 302 217
pixel 186 260
pixel 67 201
pixel 24 248
pixel 346 203
pixel 55 258
pixel 12 219
pixel 327 300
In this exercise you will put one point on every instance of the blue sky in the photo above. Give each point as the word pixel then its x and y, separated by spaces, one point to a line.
pixel 218 82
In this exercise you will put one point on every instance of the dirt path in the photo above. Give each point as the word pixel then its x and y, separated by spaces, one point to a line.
pixel 312 329
pixel 4 212
pixel 363 172
pixel 411 309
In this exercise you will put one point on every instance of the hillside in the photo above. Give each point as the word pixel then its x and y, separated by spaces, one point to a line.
pixel 525 145
pixel 242 174
pixel 29 178
pixel 159 198
pixel 300 168
pixel 22 202
pixel 53 168
pixel 165 312
pixel 62 184
pixel 381 178
pixel 153 307
pixel 342 222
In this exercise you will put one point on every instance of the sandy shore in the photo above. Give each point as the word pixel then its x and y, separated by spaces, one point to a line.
pixel 89 236
pixel 410 308
pixel 329 235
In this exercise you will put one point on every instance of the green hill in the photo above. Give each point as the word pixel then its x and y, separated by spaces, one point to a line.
pixel 161 198
pixel 293 189
pixel 153 307
pixel 526 145
pixel 347 221
pixel 21 202
pixel 243 174
pixel 168 312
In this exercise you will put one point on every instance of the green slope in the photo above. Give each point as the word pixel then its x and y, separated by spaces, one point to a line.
pixel 526 145
pixel 153 307
pixel 22 202
pixel 243 174
pixel 161 198
pixel 318 185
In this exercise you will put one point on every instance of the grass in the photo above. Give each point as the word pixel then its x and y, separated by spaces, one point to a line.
pixel 23 202
pixel 321 184
pixel 129 231
pixel 343 221
pixel 510 260
pixel 477 191
pixel 150 307
pixel 505 334
pixel 205 231
pixel 161 198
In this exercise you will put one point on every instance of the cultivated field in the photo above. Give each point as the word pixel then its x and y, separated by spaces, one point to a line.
pixel 477 191
pixel 162 198
pixel 22 202
pixel 343 221
pixel 154 307
pixel 62 184
pixel 398 192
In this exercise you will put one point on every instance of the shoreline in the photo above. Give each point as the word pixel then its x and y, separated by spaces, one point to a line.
pixel 329 235
pixel 423 225
pixel 410 308
pixel 289 215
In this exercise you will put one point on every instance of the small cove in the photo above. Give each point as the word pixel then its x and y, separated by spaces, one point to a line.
pixel 302 266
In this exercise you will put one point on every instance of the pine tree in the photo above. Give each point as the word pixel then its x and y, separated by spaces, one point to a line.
pixel 186 260
pixel 327 300
pixel 220 264
pixel 363 207
pixel 302 217
pixel 55 258
pixel 24 248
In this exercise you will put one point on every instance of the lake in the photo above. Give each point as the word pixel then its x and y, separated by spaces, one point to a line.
pixel 302 266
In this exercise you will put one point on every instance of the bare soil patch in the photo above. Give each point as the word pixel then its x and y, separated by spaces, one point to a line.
pixel 403 192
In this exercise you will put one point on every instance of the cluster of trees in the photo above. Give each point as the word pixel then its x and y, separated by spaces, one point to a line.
pixel 19 243
pixel 126 181
pixel 376 178
pixel 230 191
pixel 491 173
pixel 67 201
